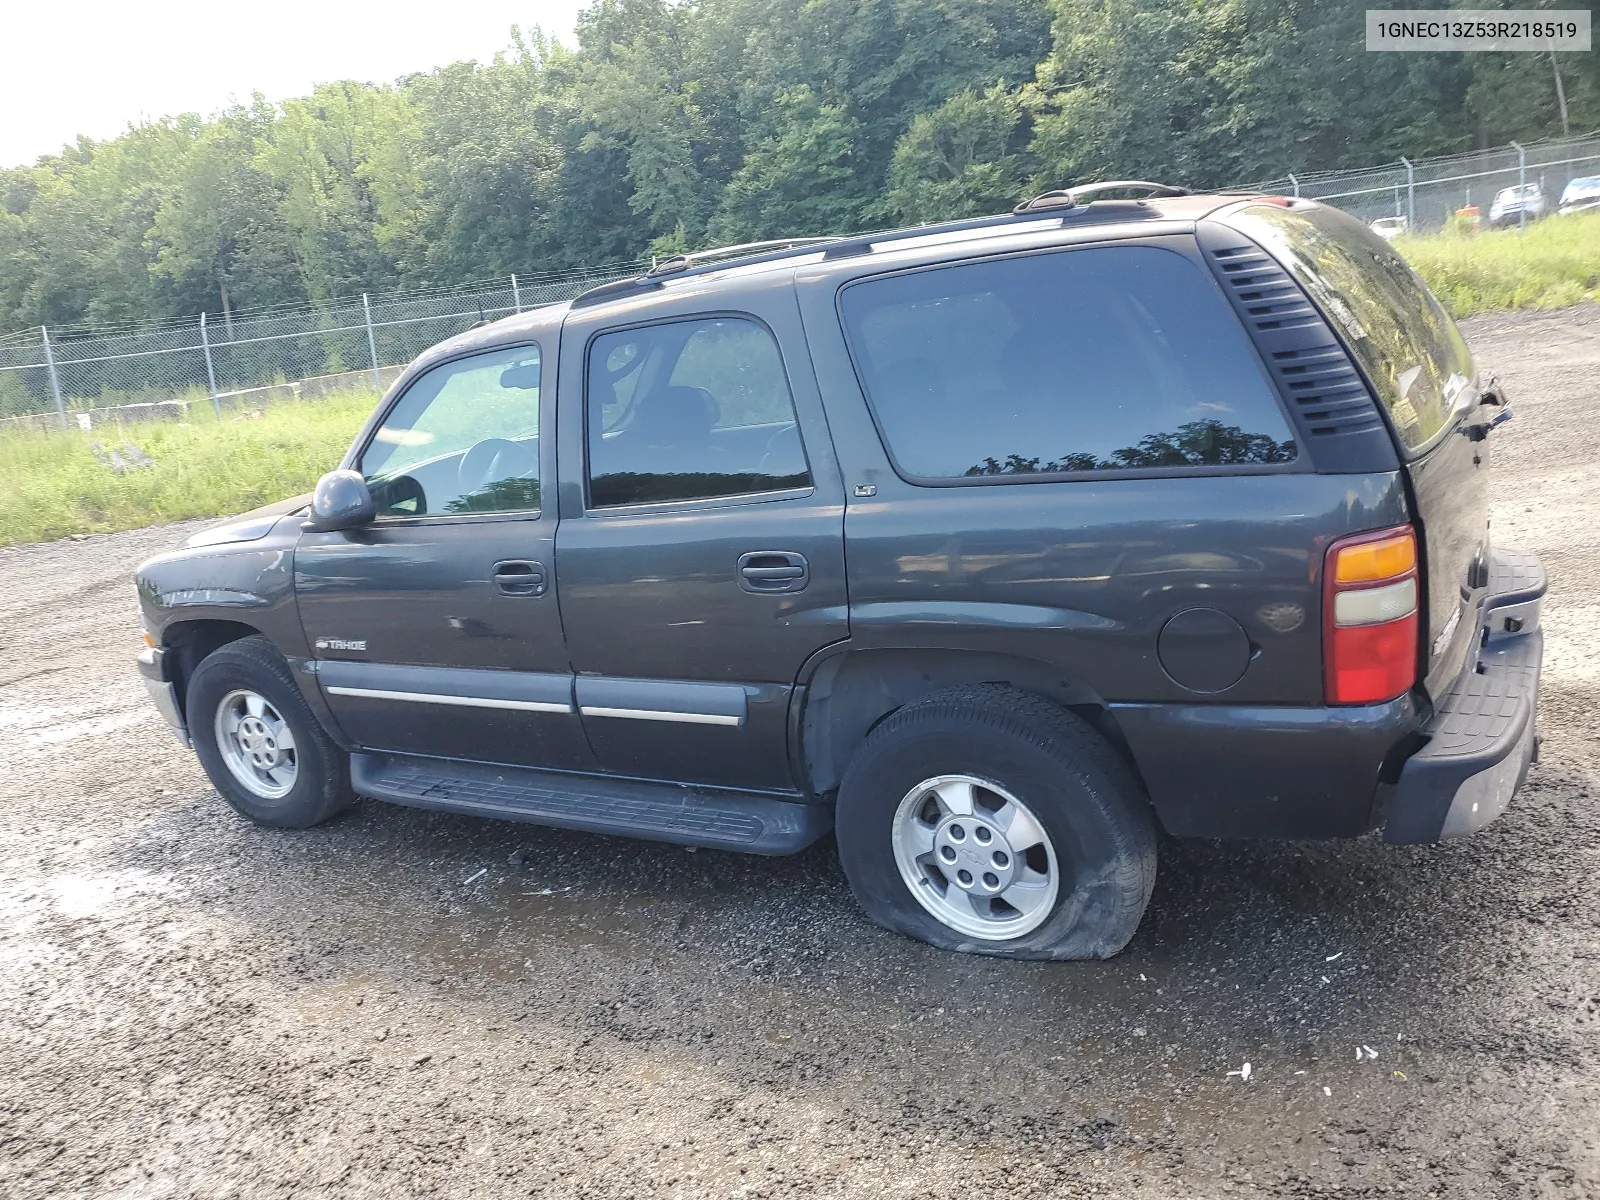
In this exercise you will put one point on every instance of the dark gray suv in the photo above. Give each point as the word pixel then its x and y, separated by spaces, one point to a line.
pixel 990 547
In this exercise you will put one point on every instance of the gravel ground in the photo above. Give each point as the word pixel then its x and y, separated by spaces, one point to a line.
pixel 387 1006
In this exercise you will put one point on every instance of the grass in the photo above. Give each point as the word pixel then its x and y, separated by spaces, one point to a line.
pixel 54 485
pixel 1552 264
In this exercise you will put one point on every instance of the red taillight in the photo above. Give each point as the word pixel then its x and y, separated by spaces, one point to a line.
pixel 1369 617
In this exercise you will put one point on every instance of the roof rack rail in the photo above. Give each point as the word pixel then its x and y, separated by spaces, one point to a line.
pixel 682 262
pixel 1074 196
pixel 681 266
pixel 863 243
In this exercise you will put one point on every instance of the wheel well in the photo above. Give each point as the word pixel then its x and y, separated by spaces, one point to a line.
pixel 190 641
pixel 852 694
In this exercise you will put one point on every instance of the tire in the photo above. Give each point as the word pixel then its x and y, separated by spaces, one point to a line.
pixel 1009 756
pixel 291 784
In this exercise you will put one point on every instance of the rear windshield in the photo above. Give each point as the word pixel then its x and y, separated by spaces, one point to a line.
pixel 1403 338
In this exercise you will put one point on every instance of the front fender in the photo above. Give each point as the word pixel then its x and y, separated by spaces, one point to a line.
pixel 243 582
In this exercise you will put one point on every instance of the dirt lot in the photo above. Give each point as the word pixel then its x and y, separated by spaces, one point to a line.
pixel 386 1006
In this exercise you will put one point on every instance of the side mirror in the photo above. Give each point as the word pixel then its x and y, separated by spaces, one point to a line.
pixel 341 501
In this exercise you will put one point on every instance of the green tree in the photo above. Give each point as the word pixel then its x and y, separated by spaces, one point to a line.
pixel 803 180
pixel 674 123
pixel 966 157
pixel 218 238
pixel 487 167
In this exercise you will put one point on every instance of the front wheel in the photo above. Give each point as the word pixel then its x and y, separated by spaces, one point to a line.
pixel 991 821
pixel 259 741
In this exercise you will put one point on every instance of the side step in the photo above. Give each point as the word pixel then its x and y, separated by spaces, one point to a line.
pixel 662 812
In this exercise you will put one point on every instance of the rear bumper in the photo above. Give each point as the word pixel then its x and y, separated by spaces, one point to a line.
pixel 163 693
pixel 1481 737
pixel 1231 771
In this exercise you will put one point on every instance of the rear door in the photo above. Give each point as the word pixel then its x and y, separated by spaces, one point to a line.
pixel 1422 370
pixel 702 531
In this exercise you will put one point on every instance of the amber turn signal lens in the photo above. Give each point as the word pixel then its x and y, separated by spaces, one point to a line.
pixel 1367 562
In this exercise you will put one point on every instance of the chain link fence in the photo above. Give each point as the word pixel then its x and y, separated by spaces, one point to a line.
pixel 83 376
pixel 1429 192
pixel 79 376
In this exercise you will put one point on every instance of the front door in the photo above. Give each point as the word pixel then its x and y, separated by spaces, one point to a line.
pixel 435 628
pixel 702 535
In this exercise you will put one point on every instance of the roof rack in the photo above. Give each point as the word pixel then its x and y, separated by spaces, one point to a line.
pixel 834 247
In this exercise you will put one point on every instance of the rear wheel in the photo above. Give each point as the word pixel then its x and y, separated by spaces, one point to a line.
pixel 988 820
pixel 259 741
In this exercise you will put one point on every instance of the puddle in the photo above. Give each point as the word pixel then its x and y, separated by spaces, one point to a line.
pixel 500 936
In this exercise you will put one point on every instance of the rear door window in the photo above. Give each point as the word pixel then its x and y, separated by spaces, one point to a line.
pixel 1102 360
pixel 690 410
pixel 1404 340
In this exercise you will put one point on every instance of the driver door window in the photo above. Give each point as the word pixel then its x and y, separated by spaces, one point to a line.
pixel 463 439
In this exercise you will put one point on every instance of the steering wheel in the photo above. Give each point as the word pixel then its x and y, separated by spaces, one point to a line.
pixel 782 449
pixel 489 460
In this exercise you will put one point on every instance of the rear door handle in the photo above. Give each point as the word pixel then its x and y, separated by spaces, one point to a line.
pixel 519 577
pixel 765 571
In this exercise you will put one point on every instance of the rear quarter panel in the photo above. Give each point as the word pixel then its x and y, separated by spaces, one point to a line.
pixel 1084 574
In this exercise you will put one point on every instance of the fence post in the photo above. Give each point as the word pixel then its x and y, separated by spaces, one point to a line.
pixel 55 382
pixel 1295 183
pixel 372 344
pixel 1411 195
pixel 516 293
pixel 211 375
pixel 1522 181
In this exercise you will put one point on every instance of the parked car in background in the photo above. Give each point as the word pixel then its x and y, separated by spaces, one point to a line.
pixel 1389 228
pixel 1580 195
pixel 992 547
pixel 1515 204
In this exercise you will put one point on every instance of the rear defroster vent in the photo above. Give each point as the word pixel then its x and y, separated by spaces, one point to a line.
pixel 1268 297
pixel 1328 396
pixel 1326 390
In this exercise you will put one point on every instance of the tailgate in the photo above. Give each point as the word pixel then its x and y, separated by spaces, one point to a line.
pixel 1450 483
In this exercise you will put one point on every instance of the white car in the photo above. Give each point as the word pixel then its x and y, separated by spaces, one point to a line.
pixel 1580 195
pixel 1514 204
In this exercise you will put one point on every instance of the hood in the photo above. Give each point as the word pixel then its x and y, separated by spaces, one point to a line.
pixel 250 526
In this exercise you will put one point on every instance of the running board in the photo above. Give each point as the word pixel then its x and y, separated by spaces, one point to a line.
pixel 662 812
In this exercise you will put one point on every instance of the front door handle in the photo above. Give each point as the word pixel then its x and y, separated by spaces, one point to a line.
pixel 519 577
pixel 765 571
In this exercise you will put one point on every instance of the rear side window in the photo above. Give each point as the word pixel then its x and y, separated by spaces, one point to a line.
pixel 690 410
pixel 1401 335
pixel 1116 358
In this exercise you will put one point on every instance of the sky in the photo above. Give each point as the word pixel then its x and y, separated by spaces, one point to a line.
pixel 70 67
